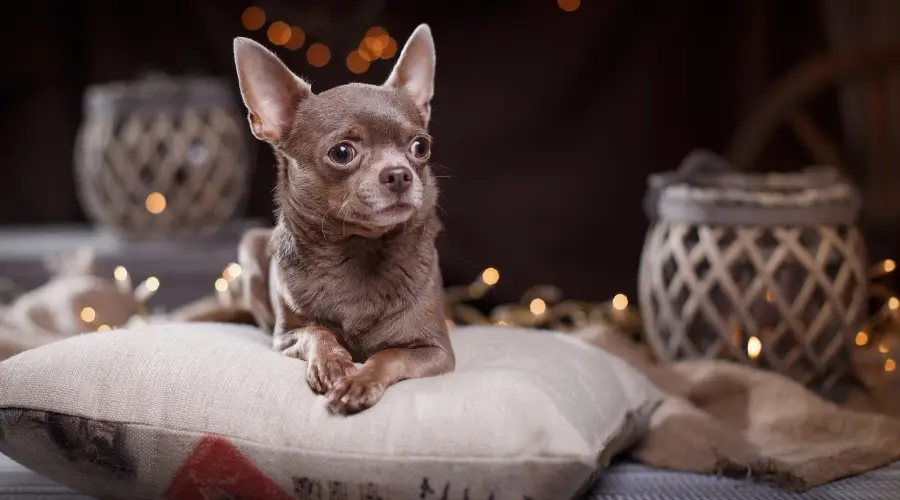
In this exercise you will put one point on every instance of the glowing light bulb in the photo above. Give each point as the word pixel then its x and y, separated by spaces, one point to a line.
pixel 894 303
pixel 152 284
pixel 318 55
pixel 373 47
pixel 88 314
pixel 365 53
pixel 253 18
pixel 103 328
pixel 490 276
pixel 378 44
pixel 890 365
pixel 120 273
pixel 221 284
pixel 538 306
pixel 155 203
pixel 889 265
pixel 620 302
pixel 862 338
pixel 754 347
pixel 375 32
pixel 356 63
pixel 297 39
pixel 569 5
pixel 390 50
pixel 279 33
pixel 232 271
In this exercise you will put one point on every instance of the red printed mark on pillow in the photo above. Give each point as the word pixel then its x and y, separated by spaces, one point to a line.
pixel 215 469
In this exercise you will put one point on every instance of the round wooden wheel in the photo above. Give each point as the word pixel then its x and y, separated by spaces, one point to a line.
pixel 868 68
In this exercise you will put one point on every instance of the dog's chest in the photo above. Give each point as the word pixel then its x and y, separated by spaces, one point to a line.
pixel 354 292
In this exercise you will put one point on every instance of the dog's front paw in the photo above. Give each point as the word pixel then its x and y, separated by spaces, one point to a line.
pixel 326 370
pixel 355 393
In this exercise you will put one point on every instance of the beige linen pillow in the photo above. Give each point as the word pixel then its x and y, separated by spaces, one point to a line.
pixel 201 411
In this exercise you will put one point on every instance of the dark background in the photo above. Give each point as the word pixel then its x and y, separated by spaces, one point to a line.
pixel 547 121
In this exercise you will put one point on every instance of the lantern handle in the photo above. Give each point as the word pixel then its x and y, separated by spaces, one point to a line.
pixel 698 163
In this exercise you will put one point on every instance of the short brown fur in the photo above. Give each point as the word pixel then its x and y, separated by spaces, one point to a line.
pixel 350 271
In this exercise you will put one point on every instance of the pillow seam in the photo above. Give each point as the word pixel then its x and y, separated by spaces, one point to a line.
pixel 586 460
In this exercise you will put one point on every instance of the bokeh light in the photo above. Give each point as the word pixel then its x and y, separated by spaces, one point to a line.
pixel 253 18
pixel 356 63
pixel 279 33
pixel 390 50
pixel 318 55
pixel 569 5
pixel 88 314
pixel 490 276
pixel 155 203
pixel 298 38
pixel 754 347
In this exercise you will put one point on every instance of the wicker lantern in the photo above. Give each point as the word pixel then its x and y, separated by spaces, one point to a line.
pixel 764 269
pixel 162 157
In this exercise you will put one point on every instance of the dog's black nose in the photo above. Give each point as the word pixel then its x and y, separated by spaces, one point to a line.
pixel 397 179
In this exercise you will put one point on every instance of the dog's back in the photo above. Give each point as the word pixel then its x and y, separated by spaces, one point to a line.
pixel 254 298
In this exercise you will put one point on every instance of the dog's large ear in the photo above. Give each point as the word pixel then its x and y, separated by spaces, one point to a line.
pixel 270 90
pixel 414 71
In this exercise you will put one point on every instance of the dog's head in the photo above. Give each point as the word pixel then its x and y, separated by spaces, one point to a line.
pixel 357 154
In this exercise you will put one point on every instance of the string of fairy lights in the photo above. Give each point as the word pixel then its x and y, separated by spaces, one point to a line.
pixel 876 330
pixel 540 307
pixel 886 320
pixel 142 293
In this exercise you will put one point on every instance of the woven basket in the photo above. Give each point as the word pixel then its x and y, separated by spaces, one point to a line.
pixel 162 157
pixel 763 269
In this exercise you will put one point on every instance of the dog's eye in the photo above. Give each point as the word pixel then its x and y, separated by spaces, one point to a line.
pixel 420 148
pixel 342 154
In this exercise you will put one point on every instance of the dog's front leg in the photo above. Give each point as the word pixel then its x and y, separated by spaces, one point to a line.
pixel 328 362
pixel 430 355
pixel 297 337
pixel 362 389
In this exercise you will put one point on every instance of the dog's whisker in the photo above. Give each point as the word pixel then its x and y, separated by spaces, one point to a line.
pixel 324 215
pixel 343 220
pixel 439 166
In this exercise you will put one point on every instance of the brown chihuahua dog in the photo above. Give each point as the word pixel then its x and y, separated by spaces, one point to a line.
pixel 350 271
